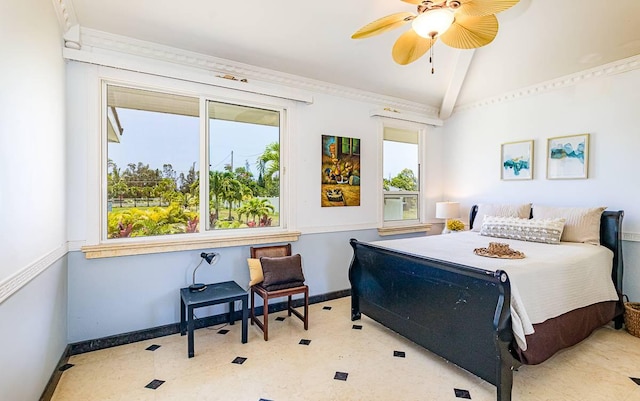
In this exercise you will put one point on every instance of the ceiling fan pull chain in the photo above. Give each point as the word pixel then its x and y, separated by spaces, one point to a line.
pixel 431 56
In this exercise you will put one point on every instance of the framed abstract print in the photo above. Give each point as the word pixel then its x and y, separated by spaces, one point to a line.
pixel 568 157
pixel 516 161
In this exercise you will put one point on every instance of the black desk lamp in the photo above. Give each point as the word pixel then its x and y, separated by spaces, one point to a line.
pixel 212 259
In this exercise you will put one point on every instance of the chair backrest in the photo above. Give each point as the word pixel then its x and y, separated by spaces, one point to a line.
pixel 270 251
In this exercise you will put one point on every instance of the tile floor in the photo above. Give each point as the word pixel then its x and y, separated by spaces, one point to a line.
pixel 336 359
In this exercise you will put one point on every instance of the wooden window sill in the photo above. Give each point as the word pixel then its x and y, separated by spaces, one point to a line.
pixel 409 229
pixel 132 247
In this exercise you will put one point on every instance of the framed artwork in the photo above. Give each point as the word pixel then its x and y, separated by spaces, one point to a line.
pixel 568 157
pixel 516 161
pixel 340 182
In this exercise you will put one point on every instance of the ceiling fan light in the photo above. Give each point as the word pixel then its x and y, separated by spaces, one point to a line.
pixel 433 23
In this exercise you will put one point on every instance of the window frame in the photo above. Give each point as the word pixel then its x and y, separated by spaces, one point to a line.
pixel 98 245
pixel 420 130
pixel 283 217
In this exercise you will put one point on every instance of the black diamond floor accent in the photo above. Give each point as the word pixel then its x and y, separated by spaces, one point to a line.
pixel 462 393
pixel 152 347
pixel 223 331
pixel 635 380
pixel 399 354
pixel 341 376
pixel 263 399
pixel 304 342
pixel 239 360
pixel 356 327
pixel 70 365
pixel 154 384
pixel 327 308
pixel 280 318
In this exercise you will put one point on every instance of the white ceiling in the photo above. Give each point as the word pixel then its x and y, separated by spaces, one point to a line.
pixel 538 40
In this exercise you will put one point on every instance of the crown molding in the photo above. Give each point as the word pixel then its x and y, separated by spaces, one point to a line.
pixel 616 67
pixel 66 14
pixel 94 41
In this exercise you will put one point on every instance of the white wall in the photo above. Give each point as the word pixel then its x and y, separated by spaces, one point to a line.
pixel 32 144
pixel 119 295
pixel 32 197
pixel 605 107
pixel 34 334
pixel 332 115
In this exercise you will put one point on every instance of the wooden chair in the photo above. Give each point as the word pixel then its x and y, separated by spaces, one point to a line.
pixel 276 251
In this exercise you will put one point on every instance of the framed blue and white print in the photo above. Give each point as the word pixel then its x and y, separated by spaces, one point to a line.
pixel 568 157
pixel 516 161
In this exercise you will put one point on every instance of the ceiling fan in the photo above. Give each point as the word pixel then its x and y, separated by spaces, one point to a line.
pixel 463 24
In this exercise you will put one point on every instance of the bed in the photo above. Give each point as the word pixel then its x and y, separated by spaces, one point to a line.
pixel 465 313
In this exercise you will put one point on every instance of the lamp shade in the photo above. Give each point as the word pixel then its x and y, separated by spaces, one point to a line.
pixel 447 210
pixel 212 259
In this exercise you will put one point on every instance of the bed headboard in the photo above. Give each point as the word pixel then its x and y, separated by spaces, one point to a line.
pixel 474 211
pixel 610 236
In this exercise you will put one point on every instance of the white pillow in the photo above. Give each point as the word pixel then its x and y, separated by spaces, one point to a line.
pixel 581 224
pixel 522 211
pixel 547 231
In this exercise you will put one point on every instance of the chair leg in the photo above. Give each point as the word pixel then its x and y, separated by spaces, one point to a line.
pixel 306 309
pixel 252 315
pixel 265 318
pixel 289 306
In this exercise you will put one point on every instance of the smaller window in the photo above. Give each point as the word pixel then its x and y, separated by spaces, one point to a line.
pixel 401 181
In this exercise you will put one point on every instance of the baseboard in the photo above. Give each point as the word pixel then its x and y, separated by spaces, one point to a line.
pixel 56 375
pixel 166 330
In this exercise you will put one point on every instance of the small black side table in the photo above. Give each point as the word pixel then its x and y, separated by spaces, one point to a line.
pixel 228 291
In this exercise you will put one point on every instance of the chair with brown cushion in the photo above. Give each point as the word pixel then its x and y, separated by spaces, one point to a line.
pixel 282 277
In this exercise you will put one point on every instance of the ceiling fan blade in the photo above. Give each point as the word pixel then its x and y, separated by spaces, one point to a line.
pixel 383 24
pixel 478 8
pixel 416 2
pixel 471 32
pixel 409 47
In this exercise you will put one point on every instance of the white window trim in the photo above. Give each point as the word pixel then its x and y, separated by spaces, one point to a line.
pixel 98 246
pixel 403 226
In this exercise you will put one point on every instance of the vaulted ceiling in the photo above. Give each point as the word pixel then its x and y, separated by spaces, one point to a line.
pixel 538 41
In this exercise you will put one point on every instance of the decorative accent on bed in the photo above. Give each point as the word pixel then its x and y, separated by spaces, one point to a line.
pixel 522 211
pixel 547 231
pixel 582 224
pixel 499 250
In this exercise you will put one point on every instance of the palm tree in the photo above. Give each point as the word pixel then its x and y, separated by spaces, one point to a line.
pixel 256 207
pixel 269 160
pixel 230 188
pixel 268 165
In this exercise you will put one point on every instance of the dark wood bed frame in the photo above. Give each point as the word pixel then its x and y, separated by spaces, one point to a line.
pixel 458 312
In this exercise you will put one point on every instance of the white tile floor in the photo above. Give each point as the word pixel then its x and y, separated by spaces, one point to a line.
pixel 599 368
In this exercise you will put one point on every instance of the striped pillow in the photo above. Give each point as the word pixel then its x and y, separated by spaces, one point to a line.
pixel 582 224
pixel 548 231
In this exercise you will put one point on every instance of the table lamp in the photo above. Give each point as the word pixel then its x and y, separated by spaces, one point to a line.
pixel 447 210
pixel 212 259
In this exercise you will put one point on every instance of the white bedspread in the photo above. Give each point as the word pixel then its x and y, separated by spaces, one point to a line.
pixel 549 281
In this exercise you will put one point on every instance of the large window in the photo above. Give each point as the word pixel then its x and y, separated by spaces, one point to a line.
pixel 401 181
pixel 158 148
